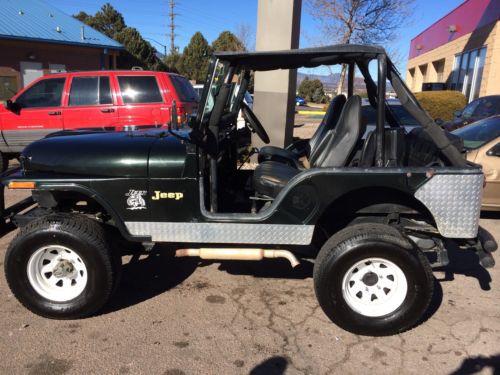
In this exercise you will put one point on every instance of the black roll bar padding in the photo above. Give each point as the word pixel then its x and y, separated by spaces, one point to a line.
pixel 437 134
pixel 382 76
pixel 350 80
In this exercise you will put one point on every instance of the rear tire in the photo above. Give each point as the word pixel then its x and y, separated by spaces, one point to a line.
pixel 370 280
pixel 61 267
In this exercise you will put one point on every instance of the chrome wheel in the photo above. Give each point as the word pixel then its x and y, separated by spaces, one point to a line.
pixel 374 287
pixel 57 273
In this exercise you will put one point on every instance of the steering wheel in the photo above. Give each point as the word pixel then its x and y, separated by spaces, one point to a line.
pixel 254 123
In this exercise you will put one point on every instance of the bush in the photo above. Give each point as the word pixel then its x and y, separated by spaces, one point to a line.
pixel 441 104
pixel 311 90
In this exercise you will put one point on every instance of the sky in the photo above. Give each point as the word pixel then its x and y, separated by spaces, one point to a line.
pixel 211 17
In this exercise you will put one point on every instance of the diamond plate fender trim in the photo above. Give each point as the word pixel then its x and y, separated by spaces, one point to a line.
pixel 455 203
pixel 238 233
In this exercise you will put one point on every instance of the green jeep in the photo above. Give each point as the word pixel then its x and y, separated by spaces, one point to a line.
pixel 375 211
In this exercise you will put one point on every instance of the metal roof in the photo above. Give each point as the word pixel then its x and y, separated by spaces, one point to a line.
pixel 35 20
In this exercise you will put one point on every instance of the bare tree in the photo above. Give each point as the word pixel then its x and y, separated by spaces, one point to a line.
pixel 359 21
pixel 245 34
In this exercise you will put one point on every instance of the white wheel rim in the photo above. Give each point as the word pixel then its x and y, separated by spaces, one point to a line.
pixel 374 287
pixel 57 273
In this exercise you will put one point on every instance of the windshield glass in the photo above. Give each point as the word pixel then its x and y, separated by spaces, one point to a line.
pixel 479 133
pixel 213 90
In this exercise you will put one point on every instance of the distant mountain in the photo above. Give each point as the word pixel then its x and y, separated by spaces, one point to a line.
pixel 330 81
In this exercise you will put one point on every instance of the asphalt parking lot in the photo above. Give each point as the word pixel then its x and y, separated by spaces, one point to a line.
pixel 183 316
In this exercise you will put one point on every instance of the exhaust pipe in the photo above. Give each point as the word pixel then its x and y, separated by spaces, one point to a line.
pixel 238 254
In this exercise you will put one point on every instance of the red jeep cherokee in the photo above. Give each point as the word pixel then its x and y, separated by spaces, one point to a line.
pixel 107 100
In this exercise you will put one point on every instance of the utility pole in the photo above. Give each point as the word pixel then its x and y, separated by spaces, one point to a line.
pixel 172 26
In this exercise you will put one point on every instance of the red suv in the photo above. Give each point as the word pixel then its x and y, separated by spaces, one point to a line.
pixel 107 100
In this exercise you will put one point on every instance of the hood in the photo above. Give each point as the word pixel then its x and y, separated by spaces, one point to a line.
pixel 97 154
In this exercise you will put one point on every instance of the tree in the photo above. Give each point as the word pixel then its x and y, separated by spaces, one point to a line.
pixel 107 20
pixel 360 21
pixel 246 36
pixel 173 61
pixel 142 50
pixel 312 90
pixel 195 57
pixel 227 41
pixel 111 23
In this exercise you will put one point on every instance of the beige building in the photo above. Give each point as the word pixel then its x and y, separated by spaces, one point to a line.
pixel 461 51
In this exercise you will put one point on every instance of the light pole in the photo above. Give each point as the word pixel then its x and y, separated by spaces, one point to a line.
pixel 160 44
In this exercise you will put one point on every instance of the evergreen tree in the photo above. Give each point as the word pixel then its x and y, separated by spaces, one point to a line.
pixel 311 90
pixel 173 61
pixel 195 57
pixel 227 41
pixel 107 20
pixel 111 23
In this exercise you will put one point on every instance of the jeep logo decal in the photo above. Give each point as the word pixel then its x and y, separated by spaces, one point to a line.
pixel 163 195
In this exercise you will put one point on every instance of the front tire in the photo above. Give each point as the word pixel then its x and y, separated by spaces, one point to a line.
pixel 61 267
pixel 370 280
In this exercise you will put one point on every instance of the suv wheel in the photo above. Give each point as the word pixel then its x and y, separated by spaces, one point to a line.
pixel 370 280
pixel 61 267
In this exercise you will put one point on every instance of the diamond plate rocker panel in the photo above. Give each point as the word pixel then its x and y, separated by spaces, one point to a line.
pixel 455 203
pixel 272 234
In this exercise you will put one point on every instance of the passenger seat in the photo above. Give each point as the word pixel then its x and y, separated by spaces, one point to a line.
pixel 292 154
pixel 336 149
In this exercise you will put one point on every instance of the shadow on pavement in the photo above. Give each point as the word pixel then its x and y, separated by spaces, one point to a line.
pixel 465 262
pixel 149 275
pixel 475 365
pixel 269 268
pixel 271 366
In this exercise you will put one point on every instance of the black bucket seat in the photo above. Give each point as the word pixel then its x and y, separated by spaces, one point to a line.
pixel 336 149
pixel 298 149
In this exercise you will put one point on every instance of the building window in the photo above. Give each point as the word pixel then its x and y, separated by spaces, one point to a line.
pixel 8 87
pixel 468 73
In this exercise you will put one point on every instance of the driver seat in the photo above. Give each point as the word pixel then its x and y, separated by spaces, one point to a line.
pixel 296 150
pixel 336 149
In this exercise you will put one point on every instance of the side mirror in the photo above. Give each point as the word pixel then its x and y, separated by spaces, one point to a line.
pixel 457 114
pixel 439 121
pixel 494 151
pixel 12 106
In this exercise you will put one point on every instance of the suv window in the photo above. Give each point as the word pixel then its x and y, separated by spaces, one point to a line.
pixel 139 89
pixel 90 91
pixel 45 93
pixel 184 89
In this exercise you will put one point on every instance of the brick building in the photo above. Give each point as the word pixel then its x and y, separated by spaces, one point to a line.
pixel 462 50
pixel 38 39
